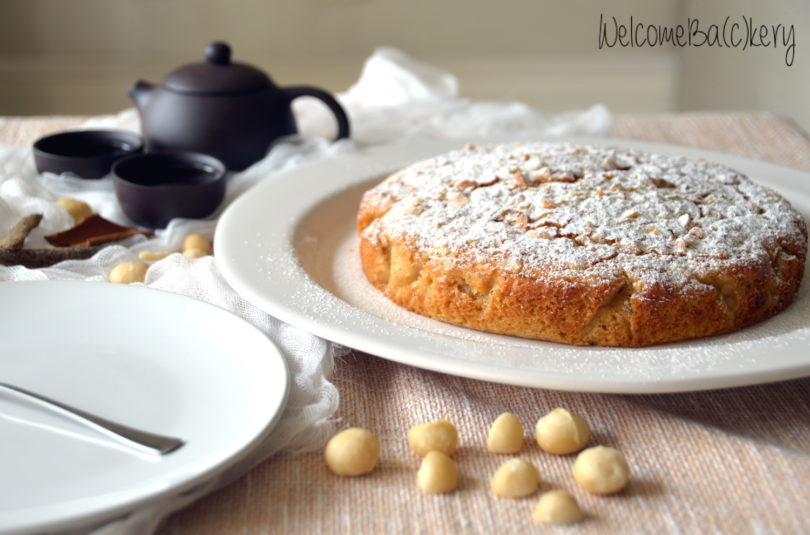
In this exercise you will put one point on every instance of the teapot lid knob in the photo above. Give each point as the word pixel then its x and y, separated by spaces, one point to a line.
pixel 218 53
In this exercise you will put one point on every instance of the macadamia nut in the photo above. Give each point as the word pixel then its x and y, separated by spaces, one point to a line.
pixel 77 209
pixel 506 434
pixel 561 432
pixel 601 470
pixel 557 507
pixel 352 452
pixel 196 241
pixel 128 272
pixel 440 436
pixel 194 253
pixel 437 474
pixel 515 478
pixel 153 256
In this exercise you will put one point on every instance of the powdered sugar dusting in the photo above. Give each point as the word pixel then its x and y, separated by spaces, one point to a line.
pixel 583 211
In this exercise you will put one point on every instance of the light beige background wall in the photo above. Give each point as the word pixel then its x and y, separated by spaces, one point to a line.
pixel 80 56
pixel 750 79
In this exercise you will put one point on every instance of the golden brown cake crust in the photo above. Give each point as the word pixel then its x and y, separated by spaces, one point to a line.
pixel 581 245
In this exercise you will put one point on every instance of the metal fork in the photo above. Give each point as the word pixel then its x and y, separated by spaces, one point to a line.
pixel 134 438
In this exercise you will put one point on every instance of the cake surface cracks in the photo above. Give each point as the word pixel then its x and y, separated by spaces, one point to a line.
pixel 585 211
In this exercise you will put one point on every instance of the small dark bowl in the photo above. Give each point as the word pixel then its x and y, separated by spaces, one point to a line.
pixel 155 187
pixel 84 153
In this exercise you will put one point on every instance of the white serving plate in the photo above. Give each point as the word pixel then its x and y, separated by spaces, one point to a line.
pixel 289 246
pixel 145 358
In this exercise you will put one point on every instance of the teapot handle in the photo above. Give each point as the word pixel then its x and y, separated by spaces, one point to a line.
pixel 326 98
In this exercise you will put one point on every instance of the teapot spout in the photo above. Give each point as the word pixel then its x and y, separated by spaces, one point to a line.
pixel 140 94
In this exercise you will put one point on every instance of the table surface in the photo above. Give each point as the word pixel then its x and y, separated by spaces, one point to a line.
pixel 729 461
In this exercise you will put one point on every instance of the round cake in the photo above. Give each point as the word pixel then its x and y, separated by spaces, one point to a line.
pixel 582 245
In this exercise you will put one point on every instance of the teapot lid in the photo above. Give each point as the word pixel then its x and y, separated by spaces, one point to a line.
pixel 216 74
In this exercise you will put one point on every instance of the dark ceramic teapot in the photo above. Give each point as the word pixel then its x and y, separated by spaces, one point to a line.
pixel 229 110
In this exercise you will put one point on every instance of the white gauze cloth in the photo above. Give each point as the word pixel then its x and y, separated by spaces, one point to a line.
pixel 395 97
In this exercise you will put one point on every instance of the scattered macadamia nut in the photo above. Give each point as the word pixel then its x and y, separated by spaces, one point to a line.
pixel 601 470
pixel 352 452
pixel 128 272
pixel 196 241
pixel 557 507
pixel 194 253
pixel 440 435
pixel 77 209
pixel 561 432
pixel 506 434
pixel 153 256
pixel 515 478
pixel 437 474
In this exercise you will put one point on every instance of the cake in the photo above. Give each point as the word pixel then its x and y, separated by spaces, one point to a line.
pixel 583 245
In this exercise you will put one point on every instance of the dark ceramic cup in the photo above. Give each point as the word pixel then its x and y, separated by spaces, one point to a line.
pixel 84 153
pixel 153 188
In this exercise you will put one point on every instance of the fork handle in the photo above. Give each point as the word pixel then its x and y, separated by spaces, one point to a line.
pixel 143 441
